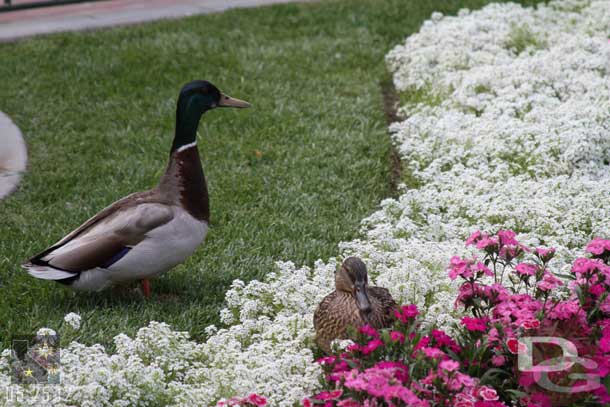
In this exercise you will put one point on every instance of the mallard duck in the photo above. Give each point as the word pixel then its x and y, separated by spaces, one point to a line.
pixel 146 233
pixel 353 303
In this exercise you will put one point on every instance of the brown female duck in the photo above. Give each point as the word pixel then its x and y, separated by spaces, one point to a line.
pixel 353 303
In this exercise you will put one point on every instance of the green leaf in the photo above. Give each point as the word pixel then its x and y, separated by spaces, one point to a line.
pixel 489 376
pixel 518 394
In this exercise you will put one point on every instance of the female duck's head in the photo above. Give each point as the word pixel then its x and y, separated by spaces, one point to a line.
pixel 352 278
pixel 196 98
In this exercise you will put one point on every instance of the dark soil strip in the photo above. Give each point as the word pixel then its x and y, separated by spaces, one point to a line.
pixel 390 108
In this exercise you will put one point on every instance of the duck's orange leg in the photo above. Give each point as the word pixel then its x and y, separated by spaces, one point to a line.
pixel 146 288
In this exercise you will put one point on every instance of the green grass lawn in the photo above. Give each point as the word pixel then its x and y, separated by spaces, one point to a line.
pixel 289 178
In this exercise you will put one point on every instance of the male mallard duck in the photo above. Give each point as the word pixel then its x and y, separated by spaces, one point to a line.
pixel 353 303
pixel 146 233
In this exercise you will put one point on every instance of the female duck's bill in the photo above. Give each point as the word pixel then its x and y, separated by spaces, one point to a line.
pixel 13 155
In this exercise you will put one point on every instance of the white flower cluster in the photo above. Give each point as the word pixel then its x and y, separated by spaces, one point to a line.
pixel 507 125
pixel 562 212
pixel 73 320
pixel 520 138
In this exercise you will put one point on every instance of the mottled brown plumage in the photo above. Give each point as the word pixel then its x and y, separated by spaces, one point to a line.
pixel 353 303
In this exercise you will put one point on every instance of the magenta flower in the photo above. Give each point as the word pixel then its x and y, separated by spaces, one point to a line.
pixel 474 237
pixel 487 243
pixel 564 310
pixel 371 346
pixel 458 381
pixel 410 399
pixel 604 344
pixel 465 395
pixel 466 268
pixel 251 400
pixel 235 401
pixel 498 360
pixel 423 342
pixel 369 331
pixel 459 267
pixel 487 393
pixel 467 292
pixel 583 267
pixel 434 353
pixel 489 403
pixel 348 403
pixel 539 400
pixel 549 282
pixel 530 324
pixel 545 254
pixel 397 336
pixel 257 400
pixel 342 366
pixel 602 395
pixel 400 370
pixel 326 360
pixel 449 365
pixel 598 246
pixel 372 380
pixel 406 313
pixel 510 252
pixel 329 395
pixel 507 238
pixel 515 347
pixel 495 293
pixel 526 269
pixel 353 347
pixel 484 269
pixel 475 324
pixel 605 306
pixel 442 339
pixel 597 289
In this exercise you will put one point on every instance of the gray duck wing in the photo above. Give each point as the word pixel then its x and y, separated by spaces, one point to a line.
pixel 100 239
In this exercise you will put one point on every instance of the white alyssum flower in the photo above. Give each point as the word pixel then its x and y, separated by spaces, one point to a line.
pixel 45 332
pixel 508 127
pixel 73 320
pixel 341 344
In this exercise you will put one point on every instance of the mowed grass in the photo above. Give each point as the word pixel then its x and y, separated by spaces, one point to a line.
pixel 289 178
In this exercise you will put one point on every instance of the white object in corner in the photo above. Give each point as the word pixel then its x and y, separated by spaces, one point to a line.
pixel 13 155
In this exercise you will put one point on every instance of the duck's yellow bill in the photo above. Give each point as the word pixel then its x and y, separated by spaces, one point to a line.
pixel 228 101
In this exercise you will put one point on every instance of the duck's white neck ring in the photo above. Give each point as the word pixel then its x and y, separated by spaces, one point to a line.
pixel 186 146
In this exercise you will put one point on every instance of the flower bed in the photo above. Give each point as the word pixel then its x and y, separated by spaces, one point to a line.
pixel 506 126
pixel 520 346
